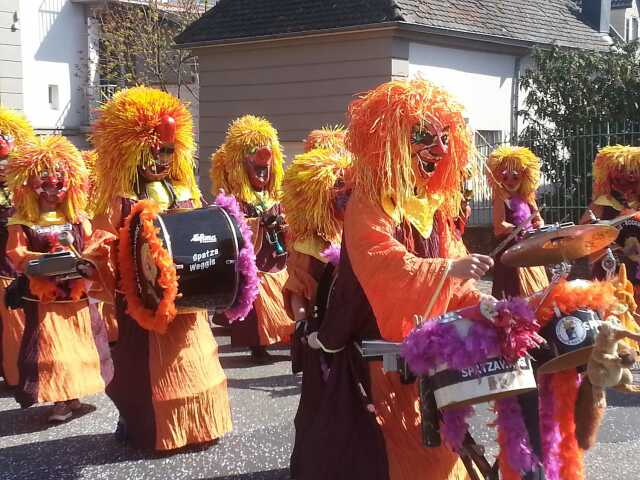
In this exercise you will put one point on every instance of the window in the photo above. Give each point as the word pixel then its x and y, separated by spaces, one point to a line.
pixel 627 30
pixel 53 97
pixel 634 29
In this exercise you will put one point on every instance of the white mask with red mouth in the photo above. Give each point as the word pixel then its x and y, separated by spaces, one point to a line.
pixel 257 164
pixel 429 144
pixel 51 187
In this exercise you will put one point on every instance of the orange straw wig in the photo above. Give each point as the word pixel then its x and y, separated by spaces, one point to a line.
pixel 519 159
pixel 227 163
pixel 612 161
pixel 308 194
pixel 127 131
pixel 331 138
pixel 380 127
pixel 47 154
pixel 15 124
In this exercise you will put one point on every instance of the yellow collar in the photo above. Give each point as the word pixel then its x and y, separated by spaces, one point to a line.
pixel 313 247
pixel 46 219
pixel 418 211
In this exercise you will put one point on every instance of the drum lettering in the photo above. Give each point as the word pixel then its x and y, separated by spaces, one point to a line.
pixel 203 238
pixel 204 255
pixel 202 265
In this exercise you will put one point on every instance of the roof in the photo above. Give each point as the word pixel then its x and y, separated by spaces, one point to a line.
pixel 531 21
pixel 621 3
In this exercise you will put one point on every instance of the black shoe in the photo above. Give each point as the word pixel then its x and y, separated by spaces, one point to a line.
pixel 260 356
pixel 121 432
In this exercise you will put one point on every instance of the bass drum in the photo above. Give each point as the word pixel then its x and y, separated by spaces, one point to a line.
pixel 204 244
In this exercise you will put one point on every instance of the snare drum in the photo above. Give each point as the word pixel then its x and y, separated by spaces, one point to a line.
pixel 570 341
pixel 491 379
pixel 204 244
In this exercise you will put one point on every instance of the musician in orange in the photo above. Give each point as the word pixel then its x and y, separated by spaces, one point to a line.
pixel 64 353
pixel 15 130
pixel 249 166
pixel 616 191
pixel 514 176
pixel 400 257
pixel 169 386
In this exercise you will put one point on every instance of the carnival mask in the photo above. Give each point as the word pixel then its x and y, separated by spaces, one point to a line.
pixel 257 164
pixel 429 144
pixel 341 194
pixel 50 187
pixel 159 167
pixel 626 184
pixel 6 145
pixel 511 180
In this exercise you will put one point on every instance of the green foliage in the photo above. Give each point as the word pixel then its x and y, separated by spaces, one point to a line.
pixel 578 101
pixel 137 44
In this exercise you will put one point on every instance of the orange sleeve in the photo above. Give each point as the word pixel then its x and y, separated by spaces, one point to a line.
pixel 398 284
pixel 18 248
pixel 110 220
pixel 300 280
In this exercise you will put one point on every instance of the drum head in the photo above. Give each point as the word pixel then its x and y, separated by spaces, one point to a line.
pixel 567 361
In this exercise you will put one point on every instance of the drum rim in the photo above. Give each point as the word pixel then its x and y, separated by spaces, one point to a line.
pixel 236 248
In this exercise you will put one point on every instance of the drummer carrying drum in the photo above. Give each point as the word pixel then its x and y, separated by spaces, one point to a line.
pixel 514 176
pixel 169 387
pixel 400 257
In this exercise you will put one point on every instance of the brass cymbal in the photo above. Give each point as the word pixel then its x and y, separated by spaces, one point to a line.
pixel 561 244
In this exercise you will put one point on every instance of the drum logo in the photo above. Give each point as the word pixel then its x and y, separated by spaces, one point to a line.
pixel 570 331
pixel 203 238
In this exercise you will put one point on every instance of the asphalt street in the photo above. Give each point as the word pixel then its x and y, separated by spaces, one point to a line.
pixel 264 400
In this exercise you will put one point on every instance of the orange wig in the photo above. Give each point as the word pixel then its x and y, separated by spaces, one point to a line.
pixel 380 126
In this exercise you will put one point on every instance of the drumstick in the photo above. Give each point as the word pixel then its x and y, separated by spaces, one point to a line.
pixel 66 239
pixel 514 233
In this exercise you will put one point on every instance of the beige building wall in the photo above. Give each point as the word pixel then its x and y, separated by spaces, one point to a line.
pixel 317 75
pixel 10 56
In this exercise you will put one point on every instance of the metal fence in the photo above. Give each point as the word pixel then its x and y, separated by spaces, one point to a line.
pixel 567 158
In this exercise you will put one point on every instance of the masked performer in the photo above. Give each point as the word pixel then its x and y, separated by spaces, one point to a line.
pixel 328 138
pixel 168 386
pixel 64 353
pixel 314 192
pixel 616 191
pixel 14 131
pixel 514 178
pixel 103 301
pixel 249 166
pixel 400 257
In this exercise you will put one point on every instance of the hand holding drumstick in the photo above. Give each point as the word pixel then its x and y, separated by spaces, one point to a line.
pixel 471 267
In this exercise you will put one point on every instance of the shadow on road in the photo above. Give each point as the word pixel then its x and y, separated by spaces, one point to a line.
pixel 276 385
pixel 5 390
pixel 35 419
pixel 282 474
pixel 244 361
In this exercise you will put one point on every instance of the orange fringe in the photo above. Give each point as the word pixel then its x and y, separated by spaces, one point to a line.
pixel 159 320
pixel 569 296
pixel 43 289
pixel 46 291
pixel 565 388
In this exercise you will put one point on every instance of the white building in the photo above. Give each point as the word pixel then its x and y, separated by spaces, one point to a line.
pixel 49 53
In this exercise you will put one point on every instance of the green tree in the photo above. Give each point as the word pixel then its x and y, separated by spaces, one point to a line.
pixel 137 44
pixel 576 102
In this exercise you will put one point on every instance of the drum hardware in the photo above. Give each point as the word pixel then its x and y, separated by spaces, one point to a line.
pixel 609 264
pixel 61 265
pixel 274 225
pixel 471 453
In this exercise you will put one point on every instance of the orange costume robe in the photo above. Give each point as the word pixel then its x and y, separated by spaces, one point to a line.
pixel 169 388
pixel 269 322
pixel 369 425
pixel 11 321
pixel 64 353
